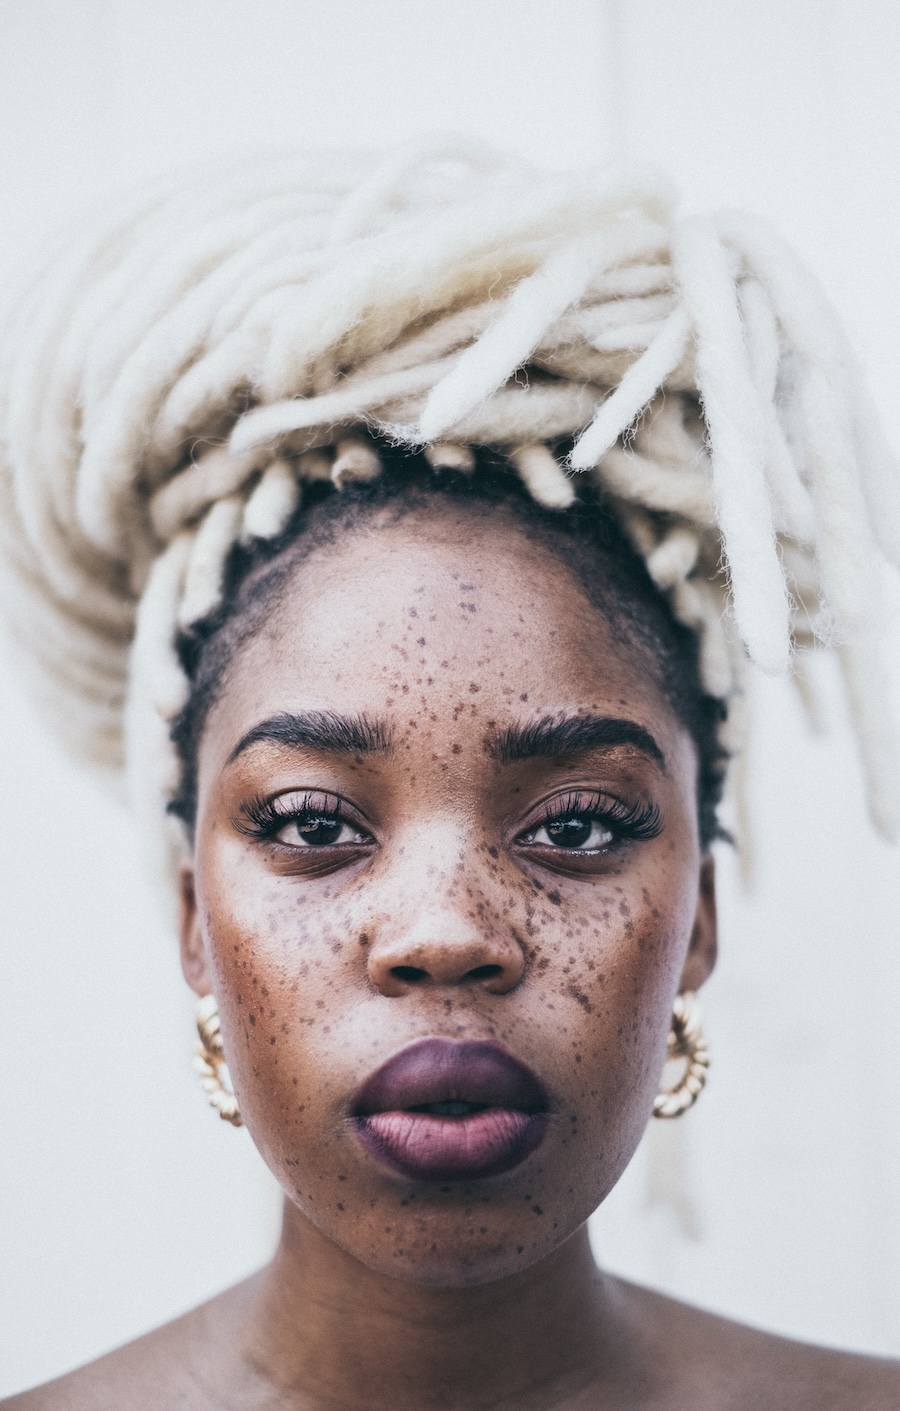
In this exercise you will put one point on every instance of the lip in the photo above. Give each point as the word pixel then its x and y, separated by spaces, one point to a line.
pixel 507 1119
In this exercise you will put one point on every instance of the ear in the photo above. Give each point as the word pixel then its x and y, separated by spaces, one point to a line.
pixel 701 955
pixel 193 953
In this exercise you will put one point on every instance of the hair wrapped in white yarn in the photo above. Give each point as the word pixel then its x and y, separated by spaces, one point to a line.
pixel 175 377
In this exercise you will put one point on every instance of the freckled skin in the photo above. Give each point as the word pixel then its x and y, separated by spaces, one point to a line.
pixel 306 1012
pixel 388 1294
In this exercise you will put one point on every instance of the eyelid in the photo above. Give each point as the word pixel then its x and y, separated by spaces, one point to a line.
pixel 577 797
pixel 638 819
pixel 263 816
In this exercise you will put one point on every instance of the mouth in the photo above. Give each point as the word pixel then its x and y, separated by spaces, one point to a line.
pixel 443 1111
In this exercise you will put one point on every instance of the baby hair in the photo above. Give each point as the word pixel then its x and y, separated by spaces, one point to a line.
pixel 181 379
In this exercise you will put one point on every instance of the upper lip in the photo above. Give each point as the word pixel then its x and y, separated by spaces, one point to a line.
pixel 449 1070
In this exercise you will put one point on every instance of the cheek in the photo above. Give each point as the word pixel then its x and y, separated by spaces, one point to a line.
pixel 608 974
pixel 280 966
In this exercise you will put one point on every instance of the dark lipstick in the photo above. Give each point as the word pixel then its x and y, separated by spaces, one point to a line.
pixel 441 1110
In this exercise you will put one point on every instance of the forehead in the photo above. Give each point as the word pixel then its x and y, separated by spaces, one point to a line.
pixel 397 610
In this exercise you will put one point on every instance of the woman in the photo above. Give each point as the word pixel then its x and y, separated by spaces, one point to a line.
pixel 382 508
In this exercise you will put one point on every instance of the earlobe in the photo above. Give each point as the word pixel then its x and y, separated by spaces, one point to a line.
pixel 701 955
pixel 193 956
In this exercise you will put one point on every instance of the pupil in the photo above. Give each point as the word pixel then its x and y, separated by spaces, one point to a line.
pixel 320 831
pixel 570 832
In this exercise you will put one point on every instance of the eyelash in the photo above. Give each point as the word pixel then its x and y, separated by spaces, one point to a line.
pixel 638 821
pixel 265 818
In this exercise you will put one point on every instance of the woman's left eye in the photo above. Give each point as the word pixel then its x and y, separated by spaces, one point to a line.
pixel 319 831
pixel 578 832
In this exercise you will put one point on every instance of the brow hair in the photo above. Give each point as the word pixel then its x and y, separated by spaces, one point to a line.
pixel 547 737
pixel 322 730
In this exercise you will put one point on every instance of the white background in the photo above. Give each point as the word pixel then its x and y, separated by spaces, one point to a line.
pixel 122 1199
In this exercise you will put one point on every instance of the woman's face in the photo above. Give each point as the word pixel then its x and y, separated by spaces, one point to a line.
pixel 446 884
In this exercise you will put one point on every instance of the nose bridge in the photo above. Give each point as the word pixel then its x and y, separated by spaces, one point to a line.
pixel 439 927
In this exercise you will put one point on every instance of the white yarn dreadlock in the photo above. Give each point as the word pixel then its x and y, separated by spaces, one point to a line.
pixel 175 378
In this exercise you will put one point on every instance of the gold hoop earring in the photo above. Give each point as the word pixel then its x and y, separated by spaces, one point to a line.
pixel 685 1041
pixel 210 1059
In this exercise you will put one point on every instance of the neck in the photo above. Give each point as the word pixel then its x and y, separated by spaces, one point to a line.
pixel 324 1329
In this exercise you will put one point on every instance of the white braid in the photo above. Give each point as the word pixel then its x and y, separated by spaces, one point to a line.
pixel 637 388
pixel 674 557
pixel 737 443
pixel 213 541
pixel 445 455
pixel 354 460
pixel 533 304
pixel 867 687
pixel 794 513
pixel 271 504
pixel 188 494
pixel 542 475
pixel 173 380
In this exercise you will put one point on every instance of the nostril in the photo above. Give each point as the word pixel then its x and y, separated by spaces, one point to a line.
pixel 410 973
pixel 484 972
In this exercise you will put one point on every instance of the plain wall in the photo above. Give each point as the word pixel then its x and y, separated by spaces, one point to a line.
pixel 122 1199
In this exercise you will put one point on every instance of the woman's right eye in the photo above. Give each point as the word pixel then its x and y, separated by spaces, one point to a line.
pixel 302 822
pixel 321 830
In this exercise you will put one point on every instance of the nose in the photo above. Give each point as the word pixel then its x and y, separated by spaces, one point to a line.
pixel 443 949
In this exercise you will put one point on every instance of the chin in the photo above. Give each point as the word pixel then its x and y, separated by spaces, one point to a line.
pixel 451 1258
pixel 478 1233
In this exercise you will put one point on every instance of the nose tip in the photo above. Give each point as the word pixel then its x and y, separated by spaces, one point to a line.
pixel 396 967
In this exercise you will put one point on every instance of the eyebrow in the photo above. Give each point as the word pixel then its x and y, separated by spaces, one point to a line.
pixel 550 736
pixel 321 730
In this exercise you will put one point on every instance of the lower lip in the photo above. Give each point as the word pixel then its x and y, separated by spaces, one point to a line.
pixel 432 1148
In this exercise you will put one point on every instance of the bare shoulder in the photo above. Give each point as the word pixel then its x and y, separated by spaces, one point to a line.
pixel 166 1369
pixel 727 1366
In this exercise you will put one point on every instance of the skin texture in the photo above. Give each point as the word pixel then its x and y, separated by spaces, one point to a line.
pixel 444 910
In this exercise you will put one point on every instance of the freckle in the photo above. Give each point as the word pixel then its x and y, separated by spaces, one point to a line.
pixel 473 686
pixel 252 1018
pixel 524 696
pixel 537 1210
pixel 456 749
pixel 493 852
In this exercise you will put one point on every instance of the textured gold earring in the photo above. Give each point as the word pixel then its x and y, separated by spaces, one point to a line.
pixel 685 1041
pixel 210 1060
